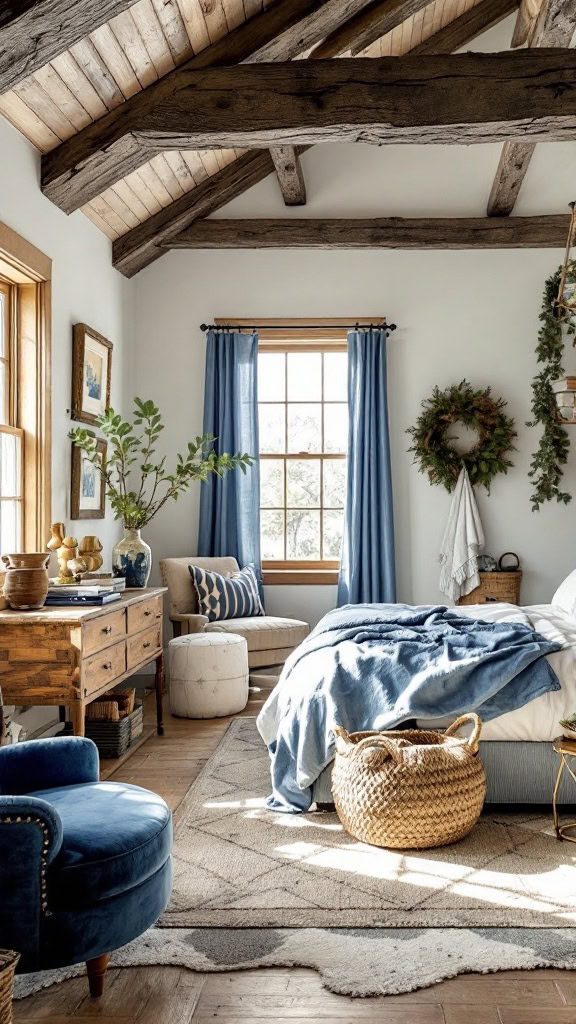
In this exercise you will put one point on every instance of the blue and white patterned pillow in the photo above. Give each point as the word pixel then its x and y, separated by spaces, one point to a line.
pixel 227 597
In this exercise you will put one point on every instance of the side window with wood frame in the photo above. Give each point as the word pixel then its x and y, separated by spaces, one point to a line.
pixel 25 415
pixel 11 436
pixel 303 414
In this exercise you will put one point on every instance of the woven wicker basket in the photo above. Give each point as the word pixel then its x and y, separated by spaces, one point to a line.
pixel 495 586
pixel 8 963
pixel 409 789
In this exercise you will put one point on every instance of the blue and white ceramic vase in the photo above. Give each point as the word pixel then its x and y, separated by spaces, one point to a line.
pixel 132 558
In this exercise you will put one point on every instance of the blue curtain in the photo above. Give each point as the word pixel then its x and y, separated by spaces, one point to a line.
pixel 367 569
pixel 230 507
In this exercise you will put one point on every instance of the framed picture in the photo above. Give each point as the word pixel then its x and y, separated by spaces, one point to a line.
pixel 88 488
pixel 91 374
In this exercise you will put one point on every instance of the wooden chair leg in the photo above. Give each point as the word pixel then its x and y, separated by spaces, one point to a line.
pixel 96 969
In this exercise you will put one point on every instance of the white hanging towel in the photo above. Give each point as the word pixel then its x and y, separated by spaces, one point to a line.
pixel 462 543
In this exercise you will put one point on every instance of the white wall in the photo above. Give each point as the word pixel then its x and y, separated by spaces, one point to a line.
pixel 85 288
pixel 472 314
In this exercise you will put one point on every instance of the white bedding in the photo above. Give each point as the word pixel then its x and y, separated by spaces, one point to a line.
pixel 539 719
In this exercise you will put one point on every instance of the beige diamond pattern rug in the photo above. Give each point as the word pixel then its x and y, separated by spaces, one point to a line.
pixel 238 865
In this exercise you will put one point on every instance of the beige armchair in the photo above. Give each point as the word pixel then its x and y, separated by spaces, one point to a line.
pixel 270 639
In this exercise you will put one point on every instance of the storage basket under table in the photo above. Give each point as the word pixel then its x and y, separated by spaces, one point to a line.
pixel 495 586
pixel 114 738
pixel 409 789
pixel 8 963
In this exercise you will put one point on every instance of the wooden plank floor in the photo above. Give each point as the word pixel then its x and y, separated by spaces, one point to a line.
pixel 172 995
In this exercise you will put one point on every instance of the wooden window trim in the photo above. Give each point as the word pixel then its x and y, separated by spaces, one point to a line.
pixel 29 271
pixel 331 329
pixel 329 336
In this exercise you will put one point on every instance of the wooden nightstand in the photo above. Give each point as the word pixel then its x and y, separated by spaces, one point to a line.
pixel 565 749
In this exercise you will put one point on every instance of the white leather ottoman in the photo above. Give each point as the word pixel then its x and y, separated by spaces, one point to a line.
pixel 208 675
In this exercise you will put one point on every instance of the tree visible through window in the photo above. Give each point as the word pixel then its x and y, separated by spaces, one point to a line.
pixel 303 413
pixel 11 436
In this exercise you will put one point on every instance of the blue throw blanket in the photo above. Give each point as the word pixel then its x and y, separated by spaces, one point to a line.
pixel 374 666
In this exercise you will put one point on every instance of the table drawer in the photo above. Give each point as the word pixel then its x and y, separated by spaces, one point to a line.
pixel 104 631
pixel 143 614
pixel 104 667
pixel 142 646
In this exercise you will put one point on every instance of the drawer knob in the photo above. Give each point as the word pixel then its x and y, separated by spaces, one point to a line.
pixel 147 644
pixel 107 665
pixel 148 611
pixel 106 629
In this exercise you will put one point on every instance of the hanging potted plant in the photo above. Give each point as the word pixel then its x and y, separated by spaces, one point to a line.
pixel 138 492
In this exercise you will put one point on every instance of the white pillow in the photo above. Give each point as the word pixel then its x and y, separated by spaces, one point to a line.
pixel 565 596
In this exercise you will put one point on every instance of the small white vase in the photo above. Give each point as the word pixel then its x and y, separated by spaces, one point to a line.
pixel 132 558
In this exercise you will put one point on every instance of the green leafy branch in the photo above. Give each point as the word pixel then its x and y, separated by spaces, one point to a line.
pixel 552 452
pixel 137 503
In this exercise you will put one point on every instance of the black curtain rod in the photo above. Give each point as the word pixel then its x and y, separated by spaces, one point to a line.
pixel 299 327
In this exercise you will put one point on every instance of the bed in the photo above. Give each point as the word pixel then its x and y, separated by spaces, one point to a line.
pixel 516 747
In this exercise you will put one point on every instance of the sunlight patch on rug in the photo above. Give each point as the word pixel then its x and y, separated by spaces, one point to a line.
pixel 239 865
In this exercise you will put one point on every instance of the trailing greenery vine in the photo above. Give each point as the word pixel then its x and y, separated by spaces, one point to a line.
pixel 552 452
pixel 435 453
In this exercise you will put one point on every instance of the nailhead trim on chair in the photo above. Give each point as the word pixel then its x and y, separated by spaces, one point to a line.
pixel 43 826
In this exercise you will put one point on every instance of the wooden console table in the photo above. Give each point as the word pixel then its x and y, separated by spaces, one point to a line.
pixel 70 656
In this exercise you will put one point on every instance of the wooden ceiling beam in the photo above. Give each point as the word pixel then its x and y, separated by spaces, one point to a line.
pixel 553 24
pixel 95 158
pixel 33 32
pixel 466 27
pixel 375 233
pixel 289 175
pixel 142 245
pixel 453 99
pixel 369 24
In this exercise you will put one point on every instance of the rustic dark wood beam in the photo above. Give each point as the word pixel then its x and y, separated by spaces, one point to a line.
pixel 464 98
pixel 373 233
pixel 289 174
pixel 371 23
pixel 85 165
pixel 554 26
pixel 33 32
pixel 465 28
pixel 525 22
pixel 512 167
pixel 142 245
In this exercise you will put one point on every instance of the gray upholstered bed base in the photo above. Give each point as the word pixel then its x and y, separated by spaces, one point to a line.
pixel 516 773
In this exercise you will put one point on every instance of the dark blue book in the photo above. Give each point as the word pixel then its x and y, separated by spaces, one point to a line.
pixel 81 599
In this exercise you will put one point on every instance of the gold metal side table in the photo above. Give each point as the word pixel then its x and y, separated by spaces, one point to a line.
pixel 565 749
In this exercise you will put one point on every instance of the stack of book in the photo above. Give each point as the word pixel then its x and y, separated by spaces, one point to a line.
pixel 85 593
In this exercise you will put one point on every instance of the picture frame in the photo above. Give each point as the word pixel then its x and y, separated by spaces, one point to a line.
pixel 91 373
pixel 87 487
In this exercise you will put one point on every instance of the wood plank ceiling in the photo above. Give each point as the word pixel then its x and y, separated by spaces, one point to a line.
pixel 135 49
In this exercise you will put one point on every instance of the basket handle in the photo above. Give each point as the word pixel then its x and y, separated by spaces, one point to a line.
pixel 472 742
pixel 387 746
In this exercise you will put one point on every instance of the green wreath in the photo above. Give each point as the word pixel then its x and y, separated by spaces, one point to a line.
pixel 433 451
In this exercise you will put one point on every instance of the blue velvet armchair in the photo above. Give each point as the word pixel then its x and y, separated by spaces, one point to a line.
pixel 85 866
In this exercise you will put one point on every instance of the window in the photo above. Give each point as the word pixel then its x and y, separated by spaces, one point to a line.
pixel 25 443
pixel 303 413
pixel 11 436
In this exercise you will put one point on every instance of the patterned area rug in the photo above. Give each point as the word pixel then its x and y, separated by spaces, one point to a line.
pixel 362 962
pixel 238 865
